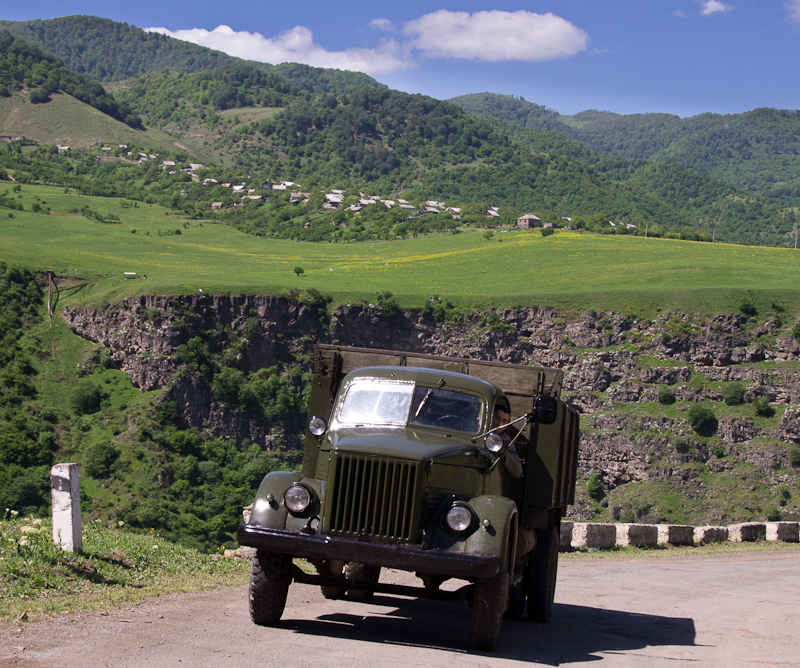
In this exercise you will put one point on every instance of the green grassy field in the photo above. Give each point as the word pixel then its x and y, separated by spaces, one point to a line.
pixel 568 271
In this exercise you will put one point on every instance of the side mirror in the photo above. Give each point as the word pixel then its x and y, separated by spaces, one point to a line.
pixel 545 409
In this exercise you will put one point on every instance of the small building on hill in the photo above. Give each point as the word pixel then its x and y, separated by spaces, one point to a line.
pixel 528 220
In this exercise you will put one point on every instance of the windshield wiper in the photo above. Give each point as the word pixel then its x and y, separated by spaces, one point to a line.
pixel 425 398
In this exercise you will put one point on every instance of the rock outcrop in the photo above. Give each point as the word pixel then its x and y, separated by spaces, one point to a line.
pixel 615 367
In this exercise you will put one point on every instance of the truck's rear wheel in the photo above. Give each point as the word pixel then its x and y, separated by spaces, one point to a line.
pixel 488 606
pixel 269 585
pixel 517 596
pixel 363 573
pixel 541 575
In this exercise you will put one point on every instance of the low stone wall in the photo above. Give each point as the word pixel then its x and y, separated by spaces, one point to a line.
pixel 606 536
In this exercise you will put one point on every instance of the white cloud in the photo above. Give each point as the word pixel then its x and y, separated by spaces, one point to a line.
pixel 495 36
pixel 491 36
pixel 296 46
pixel 714 7
pixel 793 7
pixel 382 24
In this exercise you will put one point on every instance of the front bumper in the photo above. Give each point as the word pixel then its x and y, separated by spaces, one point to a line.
pixel 402 557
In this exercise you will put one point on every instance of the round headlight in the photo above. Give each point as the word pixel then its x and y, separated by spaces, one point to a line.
pixel 459 518
pixel 297 498
pixel 494 443
pixel 317 426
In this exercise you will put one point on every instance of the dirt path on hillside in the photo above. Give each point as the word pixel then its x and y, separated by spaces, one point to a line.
pixel 722 610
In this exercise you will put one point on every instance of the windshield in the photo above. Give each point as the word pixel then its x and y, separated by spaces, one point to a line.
pixel 371 401
pixel 368 401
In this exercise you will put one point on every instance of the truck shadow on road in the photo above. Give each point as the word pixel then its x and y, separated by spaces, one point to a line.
pixel 575 633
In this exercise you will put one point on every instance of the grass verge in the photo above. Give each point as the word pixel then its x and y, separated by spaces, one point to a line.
pixel 117 567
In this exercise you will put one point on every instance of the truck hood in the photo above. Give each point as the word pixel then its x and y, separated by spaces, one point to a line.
pixel 407 443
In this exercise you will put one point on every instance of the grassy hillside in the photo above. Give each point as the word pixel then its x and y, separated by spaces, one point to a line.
pixel 65 120
pixel 568 270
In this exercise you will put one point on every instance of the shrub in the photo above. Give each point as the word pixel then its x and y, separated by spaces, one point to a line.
pixel 796 331
pixel 703 420
pixel 748 309
pixel 299 270
pixel 388 305
pixel 733 393
pixel 86 397
pixel 763 408
pixel 98 459
pixel 594 487
pixel 665 395
pixel 547 231
pixel 771 513
pixel 794 455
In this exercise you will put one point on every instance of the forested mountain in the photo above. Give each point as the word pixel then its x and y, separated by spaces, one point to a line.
pixel 110 51
pixel 758 150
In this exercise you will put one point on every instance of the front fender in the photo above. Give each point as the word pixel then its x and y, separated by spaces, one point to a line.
pixel 496 538
pixel 272 514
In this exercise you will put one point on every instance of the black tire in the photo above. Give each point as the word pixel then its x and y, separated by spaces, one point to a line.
pixel 362 573
pixel 541 574
pixel 269 585
pixel 332 593
pixel 517 596
pixel 489 602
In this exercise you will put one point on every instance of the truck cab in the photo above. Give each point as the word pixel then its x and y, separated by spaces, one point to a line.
pixel 404 468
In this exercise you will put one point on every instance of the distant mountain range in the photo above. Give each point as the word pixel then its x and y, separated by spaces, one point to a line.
pixel 734 177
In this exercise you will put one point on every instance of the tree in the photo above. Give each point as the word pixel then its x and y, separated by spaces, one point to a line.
pixel 733 394
pixel 702 419
pixel 299 270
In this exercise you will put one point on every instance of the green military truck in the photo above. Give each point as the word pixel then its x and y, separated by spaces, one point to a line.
pixel 404 469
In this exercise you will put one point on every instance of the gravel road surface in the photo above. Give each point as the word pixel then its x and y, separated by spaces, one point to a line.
pixel 729 610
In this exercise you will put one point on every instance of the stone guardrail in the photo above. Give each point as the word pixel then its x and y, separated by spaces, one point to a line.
pixel 606 536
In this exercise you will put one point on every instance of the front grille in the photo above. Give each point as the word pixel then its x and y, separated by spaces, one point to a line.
pixel 373 498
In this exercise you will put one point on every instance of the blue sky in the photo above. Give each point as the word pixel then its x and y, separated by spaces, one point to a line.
pixel 627 56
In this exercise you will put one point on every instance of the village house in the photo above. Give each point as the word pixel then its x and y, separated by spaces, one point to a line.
pixel 528 220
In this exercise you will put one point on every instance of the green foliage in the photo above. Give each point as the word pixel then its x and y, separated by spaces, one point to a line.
pixel 762 407
pixel 733 393
pixel 665 395
pixel 388 305
pixel 547 231
pixel 748 309
pixel 794 455
pixel 98 458
pixel 772 513
pixel 594 487
pixel 298 270
pixel 796 331
pixel 86 397
pixel 703 419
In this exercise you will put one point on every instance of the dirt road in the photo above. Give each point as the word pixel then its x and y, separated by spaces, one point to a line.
pixel 727 610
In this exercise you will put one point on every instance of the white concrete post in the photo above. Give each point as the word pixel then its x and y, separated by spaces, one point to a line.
pixel 65 493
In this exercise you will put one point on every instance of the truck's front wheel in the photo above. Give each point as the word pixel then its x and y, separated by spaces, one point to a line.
pixel 269 585
pixel 488 605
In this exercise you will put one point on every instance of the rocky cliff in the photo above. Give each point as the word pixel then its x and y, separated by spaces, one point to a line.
pixel 632 379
